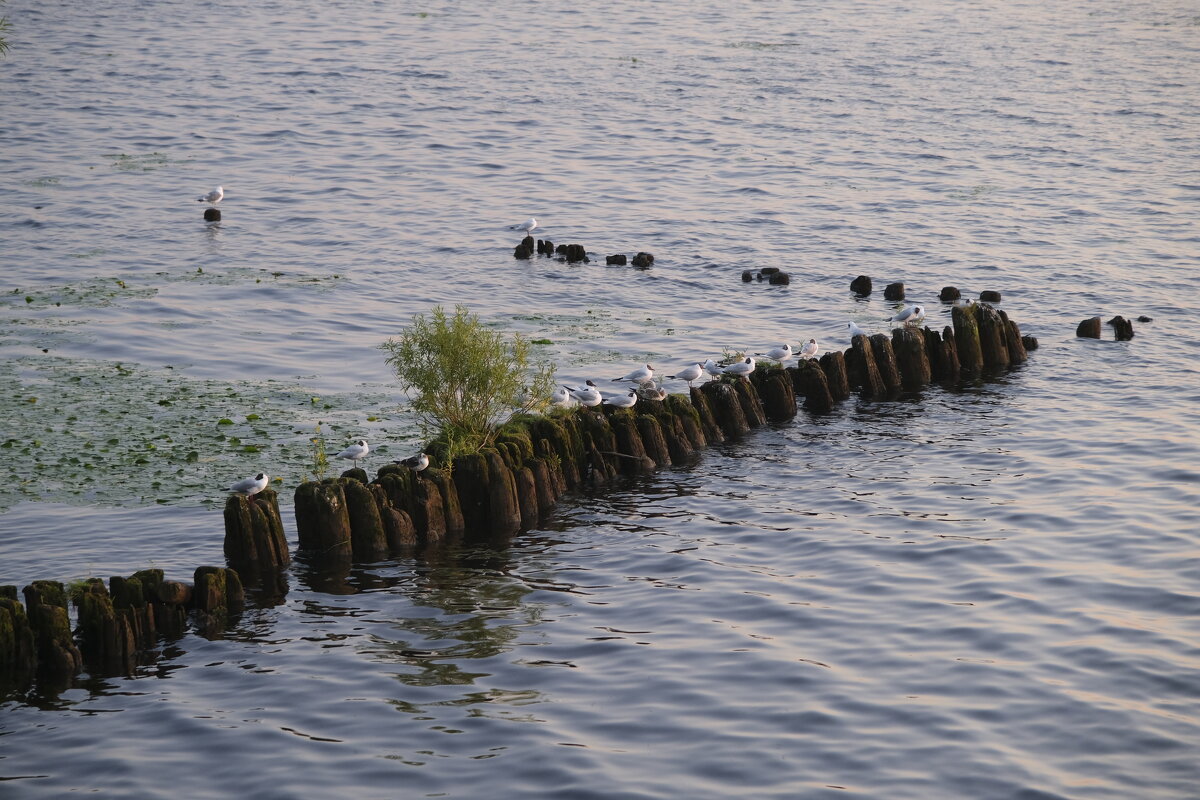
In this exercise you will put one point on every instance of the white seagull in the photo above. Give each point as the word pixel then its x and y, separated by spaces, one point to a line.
pixel 355 451
pixel 689 373
pixel 855 330
pixel 652 391
pixel 213 197
pixel 640 375
pixel 251 486
pixel 910 316
pixel 780 354
pixel 587 395
pixel 560 397
pixel 810 349
pixel 740 369
pixel 525 227
pixel 964 302
pixel 417 462
pixel 622 401
pixel 713 368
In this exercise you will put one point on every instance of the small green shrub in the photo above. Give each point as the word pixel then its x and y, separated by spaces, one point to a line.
pixel 465 380
pixel 320 461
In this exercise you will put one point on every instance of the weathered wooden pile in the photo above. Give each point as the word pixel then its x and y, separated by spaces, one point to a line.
pixel 575 253
pixel 486 496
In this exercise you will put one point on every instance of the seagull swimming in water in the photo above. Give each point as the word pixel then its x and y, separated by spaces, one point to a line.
pixel 213 197
pixel 355 451
pixel 525 227
pixel 417 462
pixel 640 375
pixel 688 373
pixel 810 349
pixel 910 316
pixel 587 395
pixel 251 486
pixel 740 369
pixel 622 401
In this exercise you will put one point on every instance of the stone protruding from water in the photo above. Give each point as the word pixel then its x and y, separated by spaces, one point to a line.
pixel 893 291
pixel 1122 327
pixel 255 544
pixel 861 286
pixel 949 293
pixel 1090 328
pixel 58 659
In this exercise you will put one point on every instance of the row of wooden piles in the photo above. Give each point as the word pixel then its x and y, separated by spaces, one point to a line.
pixel 487 496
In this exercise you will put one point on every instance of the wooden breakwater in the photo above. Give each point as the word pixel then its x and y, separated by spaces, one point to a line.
pixel 487 496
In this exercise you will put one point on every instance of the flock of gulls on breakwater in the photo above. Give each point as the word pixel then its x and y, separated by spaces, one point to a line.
pixel 589 395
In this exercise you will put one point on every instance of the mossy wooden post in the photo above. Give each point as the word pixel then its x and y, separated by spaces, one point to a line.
pixel 397 482
pixel 254 540
pixel 18 647
pixel 322 520
pixel 398 526
pixel 629 444
pixel 654 439
pixel 596 427
pixel 833 364
pixel 809 380
pixel 545 483
pixel 368 540
pixel 452 516
pixel 527 497
pixel 218 598
pixel 752 406
pixel 722 399
pixel 46 609
pixel 1012 339
pixel 966 337
pixel 168 602
pixel 885 361
pixel 470 475
pixel 778 396
pixel 504 510
pixel 992 337
pixel 688 418
pixel 862 370
pixel 105 637
pixel 713 432
pixel 908 343
pixel 132 598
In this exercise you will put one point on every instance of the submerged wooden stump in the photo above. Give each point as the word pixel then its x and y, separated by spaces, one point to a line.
pixel 833 364
pixel 885 361
pixel 322 519
pixel 966 337
pixel 908 343
pixel 713 432
pixel 942 354
pixel 218 598
pixel 368 539
pixel 106 639
pixel 861 286
pixel 810 381
pixel 18 647
pixel 58 658
pixel 862 370
pixel 1122 328
pixel 504 510
pixel 778 395
pixel 993 336
pixel 255 543
pixel 654 440
pixel 726 408
pixel 752 407
pixel 1012 340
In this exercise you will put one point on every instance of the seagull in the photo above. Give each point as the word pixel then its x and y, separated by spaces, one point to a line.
pixel 855 330
pixel 640 375
pixel 964 302
pixel 780 354
pixel 587 395
pixel 652 391
pixel 560 397
pixel 740 369
pixel 416 463
pixel 910 316
pixel 213 197
pixel 810 349
pixel 622 401
pixel 250 486
pixel 525 227
pixel 713 368
pixel 689 373
pixel 355 451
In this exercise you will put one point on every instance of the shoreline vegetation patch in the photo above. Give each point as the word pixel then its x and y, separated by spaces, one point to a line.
pixel 100 432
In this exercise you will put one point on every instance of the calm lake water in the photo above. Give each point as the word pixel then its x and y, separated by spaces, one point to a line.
pixel 983 593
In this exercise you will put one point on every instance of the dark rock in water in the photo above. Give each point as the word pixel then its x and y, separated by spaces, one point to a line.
pixel 861 286
pixel 1030 342
pixel 643 260
pixel 618 260
pixel 1122 327
pixel 1144 318
pixel 747 276
pixel 893 291
pixel 1089 328
pixel 949 293
pixel 780 279
pixel 212 215
pixel 769 270
pixel 989 296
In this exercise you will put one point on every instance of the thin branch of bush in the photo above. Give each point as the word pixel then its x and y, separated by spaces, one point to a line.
pixel 465 380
